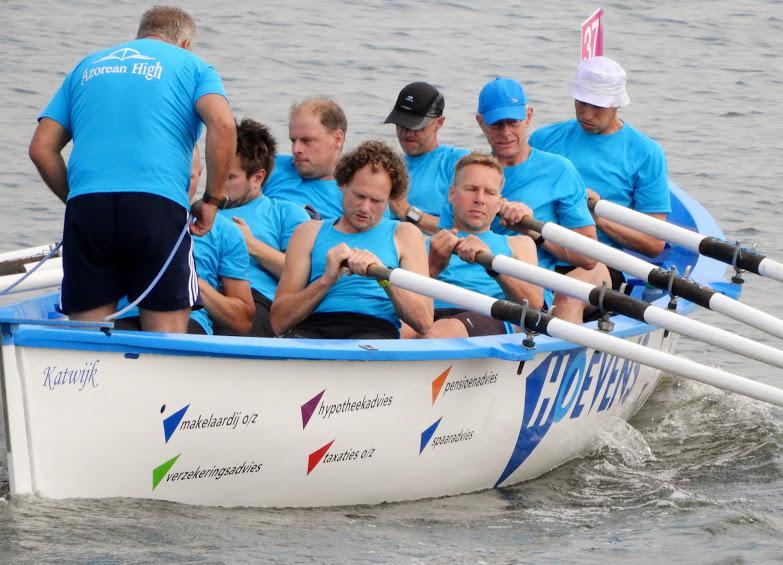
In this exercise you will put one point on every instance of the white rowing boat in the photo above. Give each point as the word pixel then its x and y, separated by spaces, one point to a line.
pixel 271 422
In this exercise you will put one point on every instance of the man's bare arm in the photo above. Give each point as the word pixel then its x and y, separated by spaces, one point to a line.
pixel 631 238
pixel 295 300
pixel 413 309
pixel 45 151
pixel 233 308
pixel 221 145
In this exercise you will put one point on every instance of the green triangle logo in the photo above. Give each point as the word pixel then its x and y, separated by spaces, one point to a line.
pixel 161 470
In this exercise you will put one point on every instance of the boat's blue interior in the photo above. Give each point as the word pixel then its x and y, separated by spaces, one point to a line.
pixel 36 323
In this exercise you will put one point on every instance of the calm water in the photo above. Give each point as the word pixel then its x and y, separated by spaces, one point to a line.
pixel 699 476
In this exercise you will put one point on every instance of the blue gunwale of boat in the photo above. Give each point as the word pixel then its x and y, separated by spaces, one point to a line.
pixel 686 211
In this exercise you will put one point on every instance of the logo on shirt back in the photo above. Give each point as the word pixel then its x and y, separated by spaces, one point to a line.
pixel 122 55
pixel 111 65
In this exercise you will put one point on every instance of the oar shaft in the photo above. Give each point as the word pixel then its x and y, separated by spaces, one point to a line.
pixel 705 245
pixel 637 309
pixel 768 323
pixel 647 224
pixel 665 362
pixel 45 278
pixel 658 277
pixel 544 323
pixel 27 255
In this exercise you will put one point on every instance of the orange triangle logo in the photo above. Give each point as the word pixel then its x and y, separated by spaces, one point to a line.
pixel 437 384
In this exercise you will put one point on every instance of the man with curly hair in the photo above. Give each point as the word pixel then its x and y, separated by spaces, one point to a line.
pixel 321 292
pixel 267 224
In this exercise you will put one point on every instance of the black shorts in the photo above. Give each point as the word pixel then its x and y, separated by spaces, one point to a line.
pixel 115 244
pixel 262 326
pixel 617 277
pixel 343 325
pixel 475 324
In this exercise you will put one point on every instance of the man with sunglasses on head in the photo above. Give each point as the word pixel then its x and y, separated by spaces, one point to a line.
pixel 418 116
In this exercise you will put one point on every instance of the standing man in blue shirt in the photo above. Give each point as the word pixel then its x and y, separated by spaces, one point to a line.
pixel 316 128
pixel 538 184
pixel 616 161
pixel 418 115
pixel 266 223
pixel 134 112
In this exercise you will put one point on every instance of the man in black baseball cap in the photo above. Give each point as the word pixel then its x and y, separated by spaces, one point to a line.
pixel 418 115
pixel 417 105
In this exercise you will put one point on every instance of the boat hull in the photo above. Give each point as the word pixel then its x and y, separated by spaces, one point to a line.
pixel 288 422
pixel 266 432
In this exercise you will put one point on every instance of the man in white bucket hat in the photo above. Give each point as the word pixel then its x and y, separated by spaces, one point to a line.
pixel 615 160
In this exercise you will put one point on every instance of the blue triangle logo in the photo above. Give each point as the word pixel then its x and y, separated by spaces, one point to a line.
pixel 171 422
pixel 427 434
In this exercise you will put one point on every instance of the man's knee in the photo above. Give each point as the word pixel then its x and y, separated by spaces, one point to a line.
pixel 446 327
pixel 172 321
pixel 595 276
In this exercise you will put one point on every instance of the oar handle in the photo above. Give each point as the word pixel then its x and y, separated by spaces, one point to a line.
pixel 379 272
pixel 528 223
pixel 731 253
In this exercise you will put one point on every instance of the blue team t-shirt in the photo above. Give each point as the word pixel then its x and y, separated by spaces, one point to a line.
pixel 430 176
pixel 285 183
pixel 551 187
pixel 625 167
pixel 272 222
pixel 221 252
pixel 131 111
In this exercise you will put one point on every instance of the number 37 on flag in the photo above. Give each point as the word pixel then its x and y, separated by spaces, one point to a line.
pixel 593 35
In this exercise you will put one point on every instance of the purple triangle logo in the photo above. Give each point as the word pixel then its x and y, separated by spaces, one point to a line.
pixel 309 407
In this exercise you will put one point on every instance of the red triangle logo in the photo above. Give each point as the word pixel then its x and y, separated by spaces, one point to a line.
pixel 437 384
pixel 315 457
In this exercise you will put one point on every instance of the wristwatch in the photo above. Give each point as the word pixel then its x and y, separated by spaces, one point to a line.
pixel 414 214
pixel 216 202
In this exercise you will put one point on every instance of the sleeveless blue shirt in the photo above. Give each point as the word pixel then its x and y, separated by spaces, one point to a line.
pixel 473 276
pixel 354 293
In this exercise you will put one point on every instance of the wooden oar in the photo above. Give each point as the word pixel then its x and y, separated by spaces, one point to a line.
pixel 657 276
pixel 713 247
pixel 614 301
pixel 537 321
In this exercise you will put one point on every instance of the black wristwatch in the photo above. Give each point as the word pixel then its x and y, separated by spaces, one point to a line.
pixel 216 202
pixel 414 214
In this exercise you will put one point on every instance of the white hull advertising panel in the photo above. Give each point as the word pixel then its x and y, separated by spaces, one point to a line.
pixel 230 431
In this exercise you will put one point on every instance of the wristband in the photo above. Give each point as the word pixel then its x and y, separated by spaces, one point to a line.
pixel 216 202
pixel 383 283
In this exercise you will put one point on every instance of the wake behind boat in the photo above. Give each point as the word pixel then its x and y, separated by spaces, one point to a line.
pixel 297 422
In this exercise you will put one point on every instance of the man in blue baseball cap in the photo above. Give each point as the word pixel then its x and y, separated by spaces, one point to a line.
pixel 538 184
